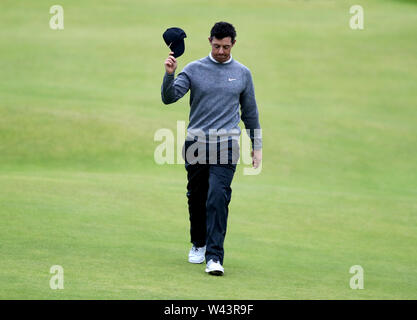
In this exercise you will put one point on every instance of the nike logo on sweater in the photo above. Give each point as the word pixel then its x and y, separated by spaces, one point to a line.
pixel 231 79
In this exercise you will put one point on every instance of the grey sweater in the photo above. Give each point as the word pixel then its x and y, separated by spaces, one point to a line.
pixel 217 89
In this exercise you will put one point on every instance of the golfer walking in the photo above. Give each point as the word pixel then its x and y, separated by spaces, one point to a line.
pixel 218 85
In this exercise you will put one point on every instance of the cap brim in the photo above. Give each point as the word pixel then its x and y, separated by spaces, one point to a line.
pixel 178 47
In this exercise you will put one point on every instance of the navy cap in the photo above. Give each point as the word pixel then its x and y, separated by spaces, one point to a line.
pixel 174 38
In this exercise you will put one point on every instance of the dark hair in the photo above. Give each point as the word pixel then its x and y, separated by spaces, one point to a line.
pixel 222 30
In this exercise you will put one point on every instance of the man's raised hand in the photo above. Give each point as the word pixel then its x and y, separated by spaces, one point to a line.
pixel 170 63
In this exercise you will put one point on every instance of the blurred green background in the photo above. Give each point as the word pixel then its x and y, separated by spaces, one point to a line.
pixel 79 186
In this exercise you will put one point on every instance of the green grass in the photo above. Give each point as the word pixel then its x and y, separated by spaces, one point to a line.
pixel 79 186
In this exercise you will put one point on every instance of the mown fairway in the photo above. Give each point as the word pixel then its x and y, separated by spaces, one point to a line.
pixel 79 186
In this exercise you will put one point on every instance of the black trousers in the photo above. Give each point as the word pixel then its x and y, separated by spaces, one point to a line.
pixel 209 194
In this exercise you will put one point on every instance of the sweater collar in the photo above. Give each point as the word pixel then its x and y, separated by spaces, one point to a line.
pixel 215 61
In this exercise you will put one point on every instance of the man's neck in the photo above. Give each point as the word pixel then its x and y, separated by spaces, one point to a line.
pixel 215 61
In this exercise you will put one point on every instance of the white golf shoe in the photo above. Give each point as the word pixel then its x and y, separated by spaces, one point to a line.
pixel 197 255
pixel 214 268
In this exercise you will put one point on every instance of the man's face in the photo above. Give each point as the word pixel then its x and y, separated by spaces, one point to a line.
pixel 220 49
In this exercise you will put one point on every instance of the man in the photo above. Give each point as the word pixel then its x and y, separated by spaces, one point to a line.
pixel 218 84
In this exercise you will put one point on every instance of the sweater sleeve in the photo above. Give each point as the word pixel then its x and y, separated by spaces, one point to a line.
pixel 172 88
pixel 249 111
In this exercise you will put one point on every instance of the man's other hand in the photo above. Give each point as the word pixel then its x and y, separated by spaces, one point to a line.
pixel 256 158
